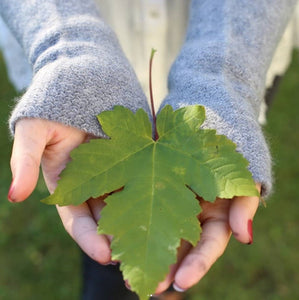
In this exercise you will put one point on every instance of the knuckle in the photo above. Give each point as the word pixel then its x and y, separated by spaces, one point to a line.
pixel 27 159
pixel 202 265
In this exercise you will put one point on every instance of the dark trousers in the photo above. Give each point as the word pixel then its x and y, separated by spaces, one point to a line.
pixel 103 282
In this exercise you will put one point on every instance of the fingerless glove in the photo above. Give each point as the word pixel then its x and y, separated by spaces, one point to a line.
pixel 79 68
pixel 222 66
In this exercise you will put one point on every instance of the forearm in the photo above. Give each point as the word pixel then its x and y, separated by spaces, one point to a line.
pixel 223 64
pixel 79 68
pixel 231 43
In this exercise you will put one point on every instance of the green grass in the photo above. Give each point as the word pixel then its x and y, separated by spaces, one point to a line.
pixel 38 260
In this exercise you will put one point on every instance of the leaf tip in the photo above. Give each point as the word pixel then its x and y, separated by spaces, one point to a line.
pixel 49 200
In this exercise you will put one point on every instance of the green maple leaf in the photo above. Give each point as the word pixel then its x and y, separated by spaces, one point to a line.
pixel 157 206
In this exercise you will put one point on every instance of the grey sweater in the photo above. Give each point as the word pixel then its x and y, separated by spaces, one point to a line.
pixel 80 70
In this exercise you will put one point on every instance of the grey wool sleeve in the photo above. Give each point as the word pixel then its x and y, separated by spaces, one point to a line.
pixel 222 66
pixel 79 69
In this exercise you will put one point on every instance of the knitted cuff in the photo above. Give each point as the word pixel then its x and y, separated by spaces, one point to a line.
pixel 235 120
pixel 74 90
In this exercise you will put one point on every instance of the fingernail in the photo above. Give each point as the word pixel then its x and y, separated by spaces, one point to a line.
pixel 249 228
pixel 178 289
pixel 110 263
pixel 10 193
pixel 127 285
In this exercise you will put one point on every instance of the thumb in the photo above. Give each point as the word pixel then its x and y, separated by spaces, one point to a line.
pixel 241 214
pixel 29 144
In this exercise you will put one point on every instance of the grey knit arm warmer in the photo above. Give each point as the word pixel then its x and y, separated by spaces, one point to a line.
pixel 79 68
pixel 222 65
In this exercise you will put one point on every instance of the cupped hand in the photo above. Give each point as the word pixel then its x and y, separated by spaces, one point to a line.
pixel 218 221
pixel 46 143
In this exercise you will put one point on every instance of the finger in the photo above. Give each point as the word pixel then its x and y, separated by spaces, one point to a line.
pixel 96 205
pixel 182 251
pixel 29 144
pixel 214 239
pixel 241 215
pixel 80 224
pixel 57 152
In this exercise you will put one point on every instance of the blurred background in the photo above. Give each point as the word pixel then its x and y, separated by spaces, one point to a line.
pixel 38 260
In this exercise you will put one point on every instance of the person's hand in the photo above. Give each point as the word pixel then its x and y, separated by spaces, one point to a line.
pixel 49 144
pixel 41 142
pixel 218 220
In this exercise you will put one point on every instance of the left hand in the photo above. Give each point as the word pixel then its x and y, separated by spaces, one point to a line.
pixel 218 220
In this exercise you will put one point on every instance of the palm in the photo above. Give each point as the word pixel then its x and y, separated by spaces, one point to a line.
pixel 49 144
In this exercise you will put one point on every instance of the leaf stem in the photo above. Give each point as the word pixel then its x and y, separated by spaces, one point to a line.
pixel 156 136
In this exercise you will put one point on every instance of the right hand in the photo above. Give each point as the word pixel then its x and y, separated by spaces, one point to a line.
pixel 47 143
